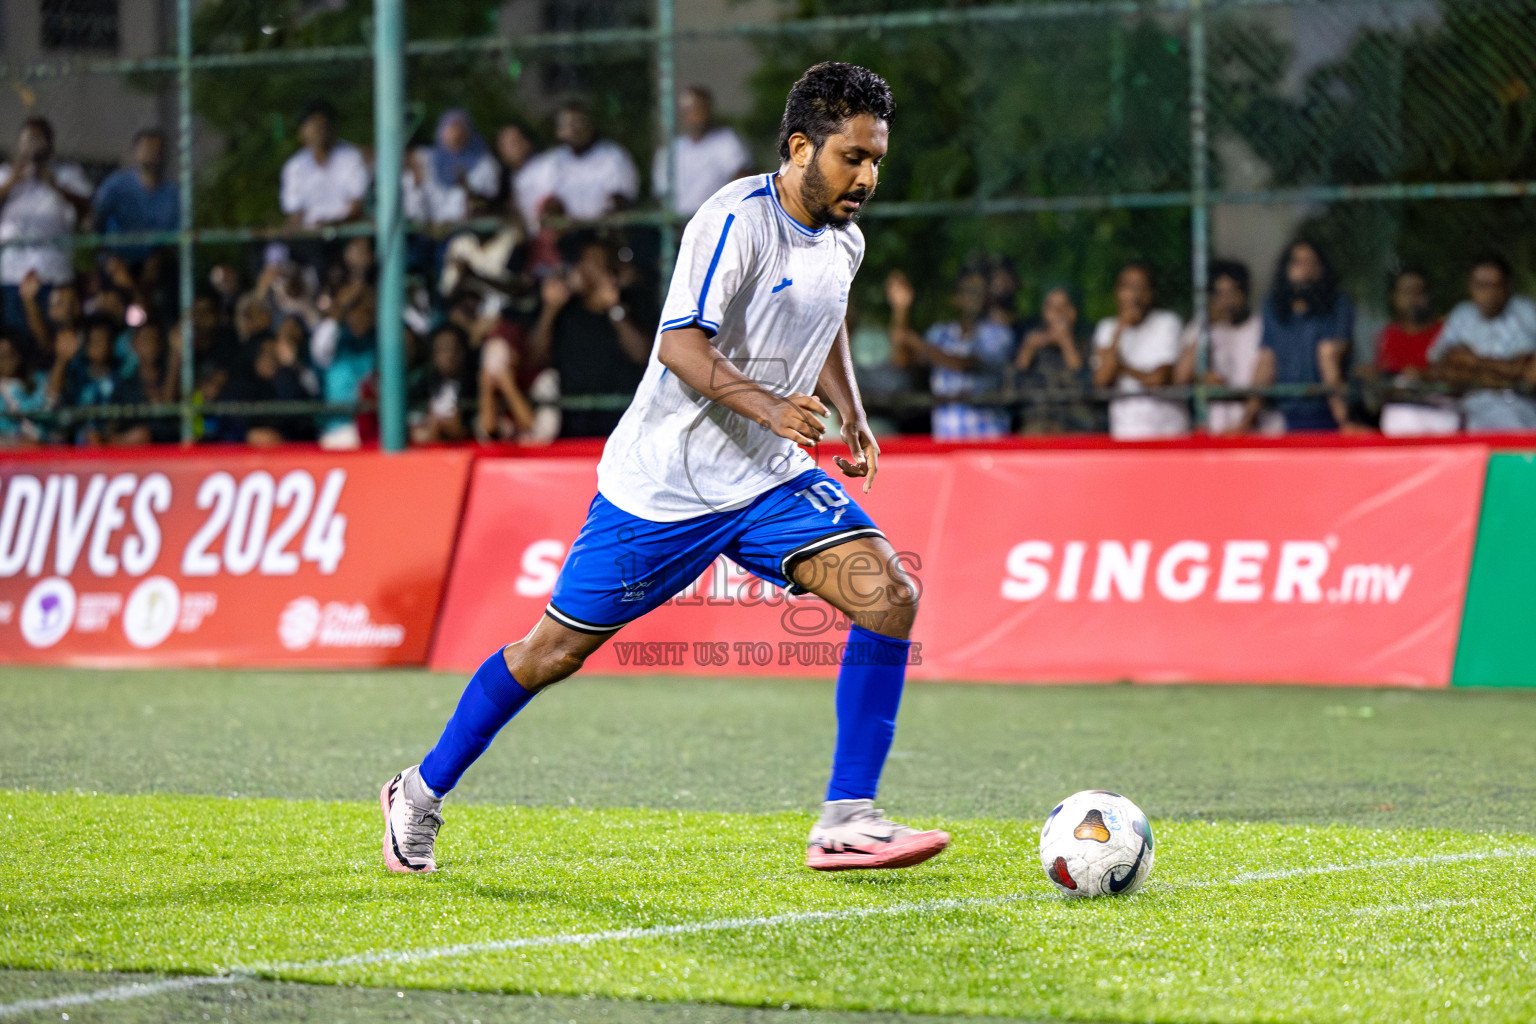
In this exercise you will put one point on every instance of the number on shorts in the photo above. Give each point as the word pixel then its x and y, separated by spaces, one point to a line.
pixel 823 494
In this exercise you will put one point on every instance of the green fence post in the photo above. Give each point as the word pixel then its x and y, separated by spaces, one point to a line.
pixel 389 236
pixel 184 186
pixel 666 98
pixel 1199 201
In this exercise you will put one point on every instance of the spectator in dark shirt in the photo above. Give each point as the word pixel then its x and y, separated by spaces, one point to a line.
pixel 23 393
pixel 46 314
pixel 214 342
pixel 1003 297
pixel 445 388
pixel 87 372
pixel 514 148
pixel 276 374
pixel 253 322
pixel 1309 326
pixel 1052 365
pixel 152 379
pixel 138 199
pixel 595 334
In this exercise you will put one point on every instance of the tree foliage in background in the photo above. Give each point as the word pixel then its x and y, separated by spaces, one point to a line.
pixel 1087 106
pixel 1092 105
pixel 253 110
pixel 1451 99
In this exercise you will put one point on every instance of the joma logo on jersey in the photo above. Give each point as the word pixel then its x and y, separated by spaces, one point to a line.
pixel 1234 571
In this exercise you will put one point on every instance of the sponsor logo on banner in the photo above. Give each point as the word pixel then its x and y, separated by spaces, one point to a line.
pixel 1307 565
pixel 1232 571
pixel 48 612
pixel 299 624
pixel 180 560
pixel 306 623
pixel 95 612
pixel 152 612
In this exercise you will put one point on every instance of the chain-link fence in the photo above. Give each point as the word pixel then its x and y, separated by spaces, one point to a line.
pixel 1048 142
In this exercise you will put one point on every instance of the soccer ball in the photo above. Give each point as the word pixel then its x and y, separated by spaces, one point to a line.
pixel 1096 843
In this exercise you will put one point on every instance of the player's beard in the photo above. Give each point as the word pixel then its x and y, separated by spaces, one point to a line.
pixel 818 196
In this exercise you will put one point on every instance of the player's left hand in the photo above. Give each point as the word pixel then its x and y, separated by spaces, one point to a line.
pixel 866 453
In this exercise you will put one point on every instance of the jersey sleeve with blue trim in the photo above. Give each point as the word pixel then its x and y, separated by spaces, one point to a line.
pixel 714 262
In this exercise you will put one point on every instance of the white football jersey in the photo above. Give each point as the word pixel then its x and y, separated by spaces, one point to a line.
pixel 772 293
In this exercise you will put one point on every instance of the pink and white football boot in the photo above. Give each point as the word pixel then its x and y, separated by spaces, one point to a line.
pixel 852 835
pixel 411 820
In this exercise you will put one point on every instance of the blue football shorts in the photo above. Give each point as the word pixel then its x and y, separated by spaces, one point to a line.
pixel 622 566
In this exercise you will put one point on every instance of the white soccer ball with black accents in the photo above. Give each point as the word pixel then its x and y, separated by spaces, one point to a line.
pixel 1096 843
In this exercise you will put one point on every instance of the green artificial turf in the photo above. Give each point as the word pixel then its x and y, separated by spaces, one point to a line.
pixel 1376 758
pixel 258 1001
pixel 283 888
pixel 187 822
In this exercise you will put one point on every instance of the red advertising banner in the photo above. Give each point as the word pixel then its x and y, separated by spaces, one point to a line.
pixel 1343 566
pixel 226 558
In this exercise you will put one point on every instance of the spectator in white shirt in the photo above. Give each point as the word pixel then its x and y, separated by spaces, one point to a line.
pixel 707 156
pixel 1137 349
pixel 1233 359
pixel 39 198
pixel 1488 347
pixel 327 180
pixel 585 176
pixel 445 182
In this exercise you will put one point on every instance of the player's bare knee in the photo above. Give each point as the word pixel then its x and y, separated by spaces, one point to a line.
pixel 895 619
pixel 564 664
pixel 901 599
pixel 536 665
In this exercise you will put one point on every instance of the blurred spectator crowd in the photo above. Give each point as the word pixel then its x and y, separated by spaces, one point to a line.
pixel 992 373
pixel 527 319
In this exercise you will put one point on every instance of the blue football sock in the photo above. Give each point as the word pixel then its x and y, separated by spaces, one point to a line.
pixel 868 694
pixel 489 702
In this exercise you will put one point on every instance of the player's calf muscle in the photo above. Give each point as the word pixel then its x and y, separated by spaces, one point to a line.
pixel 549 654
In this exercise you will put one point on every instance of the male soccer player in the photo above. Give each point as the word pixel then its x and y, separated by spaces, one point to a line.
pixel 707 461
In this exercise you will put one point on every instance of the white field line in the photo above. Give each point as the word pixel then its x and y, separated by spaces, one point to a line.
pixel 237 974
pixel 1395 862
pixel 134 990
pixel 726 924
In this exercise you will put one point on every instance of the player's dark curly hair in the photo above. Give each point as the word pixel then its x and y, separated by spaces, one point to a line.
pixel 827 96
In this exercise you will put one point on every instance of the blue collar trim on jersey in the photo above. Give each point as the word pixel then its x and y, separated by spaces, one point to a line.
pixel 798 226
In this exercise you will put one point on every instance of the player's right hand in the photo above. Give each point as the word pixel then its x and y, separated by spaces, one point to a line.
pixel 797 417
